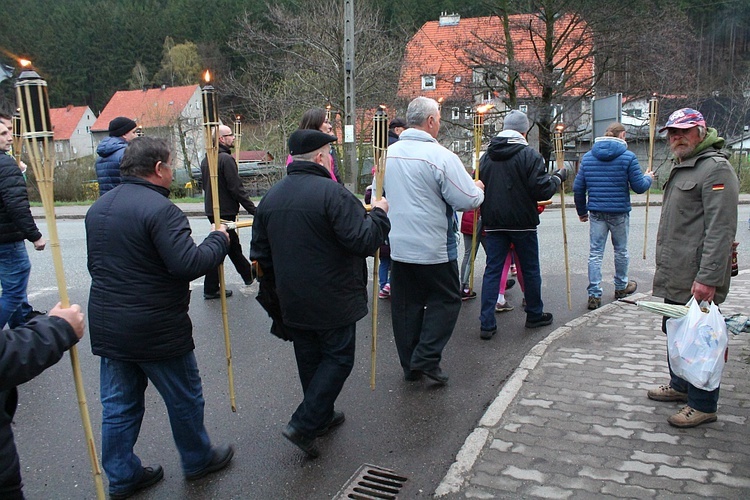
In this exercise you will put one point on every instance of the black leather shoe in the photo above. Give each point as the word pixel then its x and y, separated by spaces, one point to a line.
pixel 487 334
pixel 544 320
pixel 336 420
pixel 221 456
pixel 150 476
pixel 217 295
pixel 436 375
pixel 304 443
pixel 412 376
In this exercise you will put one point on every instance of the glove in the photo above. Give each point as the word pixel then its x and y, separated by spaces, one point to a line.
pixel 561 174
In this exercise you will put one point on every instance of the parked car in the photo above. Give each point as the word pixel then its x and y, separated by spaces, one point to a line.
pixel 256 176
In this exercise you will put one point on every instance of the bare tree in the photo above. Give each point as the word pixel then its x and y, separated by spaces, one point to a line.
pixel 295 61
pixel 553 54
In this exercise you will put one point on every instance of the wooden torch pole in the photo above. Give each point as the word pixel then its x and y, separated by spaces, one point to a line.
pixel 560 156
pixel 37 136
pixel 17 136
pixel 211 132
pixel 379 148
pixel 653 111
pixel 478 126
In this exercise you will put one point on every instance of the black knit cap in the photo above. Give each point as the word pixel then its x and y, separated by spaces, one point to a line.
pixel 121 126
pixel 305 141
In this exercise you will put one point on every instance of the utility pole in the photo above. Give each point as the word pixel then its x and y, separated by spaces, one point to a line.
pixel 350 138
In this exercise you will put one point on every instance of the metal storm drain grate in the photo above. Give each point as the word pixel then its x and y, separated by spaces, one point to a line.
pixel 372 482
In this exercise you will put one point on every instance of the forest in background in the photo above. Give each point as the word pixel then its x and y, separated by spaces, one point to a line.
pixel 273 60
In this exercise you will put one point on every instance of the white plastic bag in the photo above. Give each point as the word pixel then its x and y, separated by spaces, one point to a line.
pixel 696 344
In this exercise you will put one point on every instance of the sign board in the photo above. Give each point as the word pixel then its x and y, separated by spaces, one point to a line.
pixel 348 133
pixel 605 111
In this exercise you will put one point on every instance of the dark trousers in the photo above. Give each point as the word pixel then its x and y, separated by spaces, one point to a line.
pixel 211 283
pixel 325 359
pixel 705 401
pixel 10 469
pixel 425 302
pixel 497 246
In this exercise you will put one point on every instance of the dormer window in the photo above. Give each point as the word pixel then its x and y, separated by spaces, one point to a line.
pixel 428 82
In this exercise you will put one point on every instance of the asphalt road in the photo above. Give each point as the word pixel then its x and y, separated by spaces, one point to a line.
pixel 414 429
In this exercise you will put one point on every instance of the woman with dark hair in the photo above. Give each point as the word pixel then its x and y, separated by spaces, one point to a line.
pixel 317 119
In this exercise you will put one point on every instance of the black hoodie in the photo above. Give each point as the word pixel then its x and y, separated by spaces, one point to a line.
pixel 514 181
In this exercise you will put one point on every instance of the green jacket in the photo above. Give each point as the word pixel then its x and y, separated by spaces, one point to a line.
pixel 698 224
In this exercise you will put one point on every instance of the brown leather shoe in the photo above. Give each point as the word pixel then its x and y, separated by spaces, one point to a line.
pixel 690 417
pixel 666 393
pixel 628 290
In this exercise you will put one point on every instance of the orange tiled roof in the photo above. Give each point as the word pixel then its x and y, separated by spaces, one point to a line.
pixel 451 51
pixel 65 120
pixel 149 108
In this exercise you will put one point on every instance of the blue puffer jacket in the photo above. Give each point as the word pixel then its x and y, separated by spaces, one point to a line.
pixel 608 172
pixel 110 152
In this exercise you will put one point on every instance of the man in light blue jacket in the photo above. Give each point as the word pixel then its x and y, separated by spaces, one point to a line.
pixel 426 185
pixel 607 174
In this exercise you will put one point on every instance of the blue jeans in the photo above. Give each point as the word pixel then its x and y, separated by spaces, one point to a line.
pixel 15 268
pixel 497 245
pixel 325 359
pixel 465 263
pixel 123 384
pixel 383 271
pixel 601 224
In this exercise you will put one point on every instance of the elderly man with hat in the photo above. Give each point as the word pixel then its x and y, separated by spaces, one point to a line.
pixel 110 151
pixel 311 238
pixel 694 243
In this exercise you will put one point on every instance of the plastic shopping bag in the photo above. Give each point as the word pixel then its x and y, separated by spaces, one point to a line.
pixel 696 343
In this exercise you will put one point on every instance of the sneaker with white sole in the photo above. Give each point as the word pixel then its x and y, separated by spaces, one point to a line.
pixel 666 393
pixel 690 417
pixel 503 307
pixel 385 292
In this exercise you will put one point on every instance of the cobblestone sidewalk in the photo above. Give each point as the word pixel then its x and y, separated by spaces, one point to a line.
pixel 574 421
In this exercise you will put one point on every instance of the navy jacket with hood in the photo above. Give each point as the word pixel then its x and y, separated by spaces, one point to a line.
pixel 110 152
pixel 607 173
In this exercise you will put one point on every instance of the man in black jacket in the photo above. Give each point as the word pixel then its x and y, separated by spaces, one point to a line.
pixel 141 258
pixel 25 352
pixel 311 238
pixel 231 196
pixel 515 180
pixel 16 225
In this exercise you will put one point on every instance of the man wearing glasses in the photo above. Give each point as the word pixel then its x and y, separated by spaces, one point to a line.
pixel 231 195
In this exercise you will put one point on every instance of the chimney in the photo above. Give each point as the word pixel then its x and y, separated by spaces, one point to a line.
pixel 449 19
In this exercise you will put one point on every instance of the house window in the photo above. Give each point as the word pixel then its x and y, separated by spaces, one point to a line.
pixel 468 114
pixel 88 129
pixel 523 108
pixel 455 113
pixel 58 147
pixel 455 145
pixel 557 114
pixel 428 82
pixel 467 145
pixel 488 95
